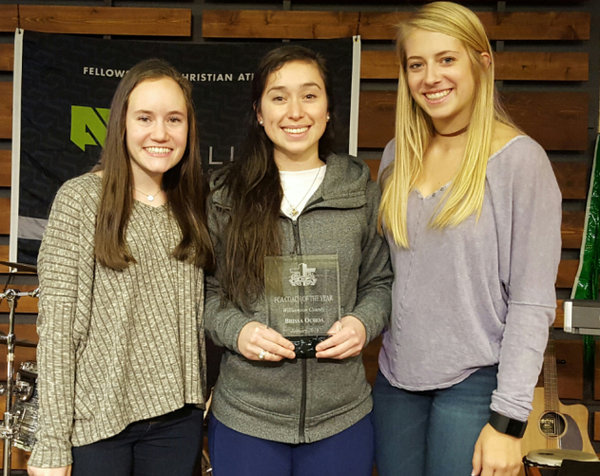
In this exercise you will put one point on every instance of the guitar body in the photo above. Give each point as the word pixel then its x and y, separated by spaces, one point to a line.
pixel 563 428
pixel 566 428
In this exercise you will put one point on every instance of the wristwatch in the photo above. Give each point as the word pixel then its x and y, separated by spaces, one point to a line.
pixel 506 425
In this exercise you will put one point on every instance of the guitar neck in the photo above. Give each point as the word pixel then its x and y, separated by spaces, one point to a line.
pixel 551 400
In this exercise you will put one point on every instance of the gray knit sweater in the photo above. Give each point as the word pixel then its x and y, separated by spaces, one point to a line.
pixel 114 346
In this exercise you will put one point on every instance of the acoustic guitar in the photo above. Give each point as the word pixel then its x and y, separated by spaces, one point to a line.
pixel 551 424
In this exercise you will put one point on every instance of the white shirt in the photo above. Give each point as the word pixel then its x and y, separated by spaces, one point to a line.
pixel 298 187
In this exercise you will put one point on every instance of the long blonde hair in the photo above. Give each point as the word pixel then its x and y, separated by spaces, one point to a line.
pixel 414 128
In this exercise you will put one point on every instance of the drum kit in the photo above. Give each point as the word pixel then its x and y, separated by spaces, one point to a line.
pixel 20 414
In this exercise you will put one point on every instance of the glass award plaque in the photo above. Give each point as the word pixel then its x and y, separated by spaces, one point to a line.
pixel 302 294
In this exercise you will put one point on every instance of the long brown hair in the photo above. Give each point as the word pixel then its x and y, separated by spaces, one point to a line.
pixel 254 188
pixel 184 184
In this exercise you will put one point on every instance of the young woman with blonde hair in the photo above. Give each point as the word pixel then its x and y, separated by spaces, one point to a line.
pixel 472 211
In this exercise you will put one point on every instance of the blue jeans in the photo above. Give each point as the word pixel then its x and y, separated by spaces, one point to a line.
pixel 348 453
pixel 430 433
pixel 169 444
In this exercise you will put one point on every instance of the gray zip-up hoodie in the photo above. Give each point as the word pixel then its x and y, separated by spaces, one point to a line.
pixel 305 400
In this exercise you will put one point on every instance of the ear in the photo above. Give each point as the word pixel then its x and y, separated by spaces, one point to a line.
pixel 486 59
pixel 258 114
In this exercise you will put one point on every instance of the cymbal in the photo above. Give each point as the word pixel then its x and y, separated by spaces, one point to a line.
pixel 19 343
pixel 20 266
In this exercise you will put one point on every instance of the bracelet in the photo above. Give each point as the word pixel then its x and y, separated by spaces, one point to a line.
pixel 506 425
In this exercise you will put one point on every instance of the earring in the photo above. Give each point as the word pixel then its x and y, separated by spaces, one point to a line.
pixel 261 122
pixel 328 116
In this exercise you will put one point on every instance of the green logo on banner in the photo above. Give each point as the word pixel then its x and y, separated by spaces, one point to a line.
pixel 88 125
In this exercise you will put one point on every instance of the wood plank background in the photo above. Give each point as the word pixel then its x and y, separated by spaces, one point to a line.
pixel 544 84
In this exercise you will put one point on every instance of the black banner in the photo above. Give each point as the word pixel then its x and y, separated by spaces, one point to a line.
pixel 66 88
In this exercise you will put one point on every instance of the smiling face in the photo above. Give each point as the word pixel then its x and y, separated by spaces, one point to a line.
pixel 294 112
pixel 156 128
pixel 440 78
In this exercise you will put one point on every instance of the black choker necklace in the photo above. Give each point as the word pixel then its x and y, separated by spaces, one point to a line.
pixel 453 134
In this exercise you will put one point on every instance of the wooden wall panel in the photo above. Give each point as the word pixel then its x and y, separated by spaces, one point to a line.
pixel 560 314
pixel 4 216
pixel 510 65
pixel 572 178
pixel 6 56
pixel 557 120
pixel 499 26
pixel 567 270
pixel 572 229
pixel 3 257
pixel 383 64
pixel 380 26
pixel 597 426
pixel 539 66
pixel 101 20
pixel 569 368
pixel 376 118
pixel 5 168
pixel 278 24
pixel 536 25
pixel 5 109
pixel 531 111
pixel 8 17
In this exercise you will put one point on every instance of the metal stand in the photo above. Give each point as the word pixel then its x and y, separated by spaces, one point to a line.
pixel 8 425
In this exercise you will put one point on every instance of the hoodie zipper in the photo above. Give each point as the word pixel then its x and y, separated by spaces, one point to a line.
pixel 302 419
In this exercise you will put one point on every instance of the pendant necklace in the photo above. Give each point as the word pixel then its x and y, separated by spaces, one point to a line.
pixel 149 196
pixel 294 209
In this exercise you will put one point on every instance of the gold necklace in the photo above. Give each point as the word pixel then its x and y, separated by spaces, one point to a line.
pixel 149 196
pixel 294 209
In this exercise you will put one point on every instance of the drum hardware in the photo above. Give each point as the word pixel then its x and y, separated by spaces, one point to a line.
pixel 9 430
pixel 18 343
pixel 20 266
pixel 23 390
pixel 25 408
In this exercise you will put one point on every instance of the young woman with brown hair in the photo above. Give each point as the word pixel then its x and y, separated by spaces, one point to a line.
pixel 121 354
pixel 274 414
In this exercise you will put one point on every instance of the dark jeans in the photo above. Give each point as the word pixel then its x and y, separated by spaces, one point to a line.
pixel 165 445
pixel 348 453
pixel 430 433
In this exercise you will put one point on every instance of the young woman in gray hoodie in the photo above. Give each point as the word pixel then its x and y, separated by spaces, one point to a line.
pixel 274 413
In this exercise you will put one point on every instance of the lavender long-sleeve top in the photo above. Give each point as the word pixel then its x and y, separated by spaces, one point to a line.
pixel 480 293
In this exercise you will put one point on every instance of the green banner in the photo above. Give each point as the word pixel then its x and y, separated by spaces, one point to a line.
pixel 585 285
